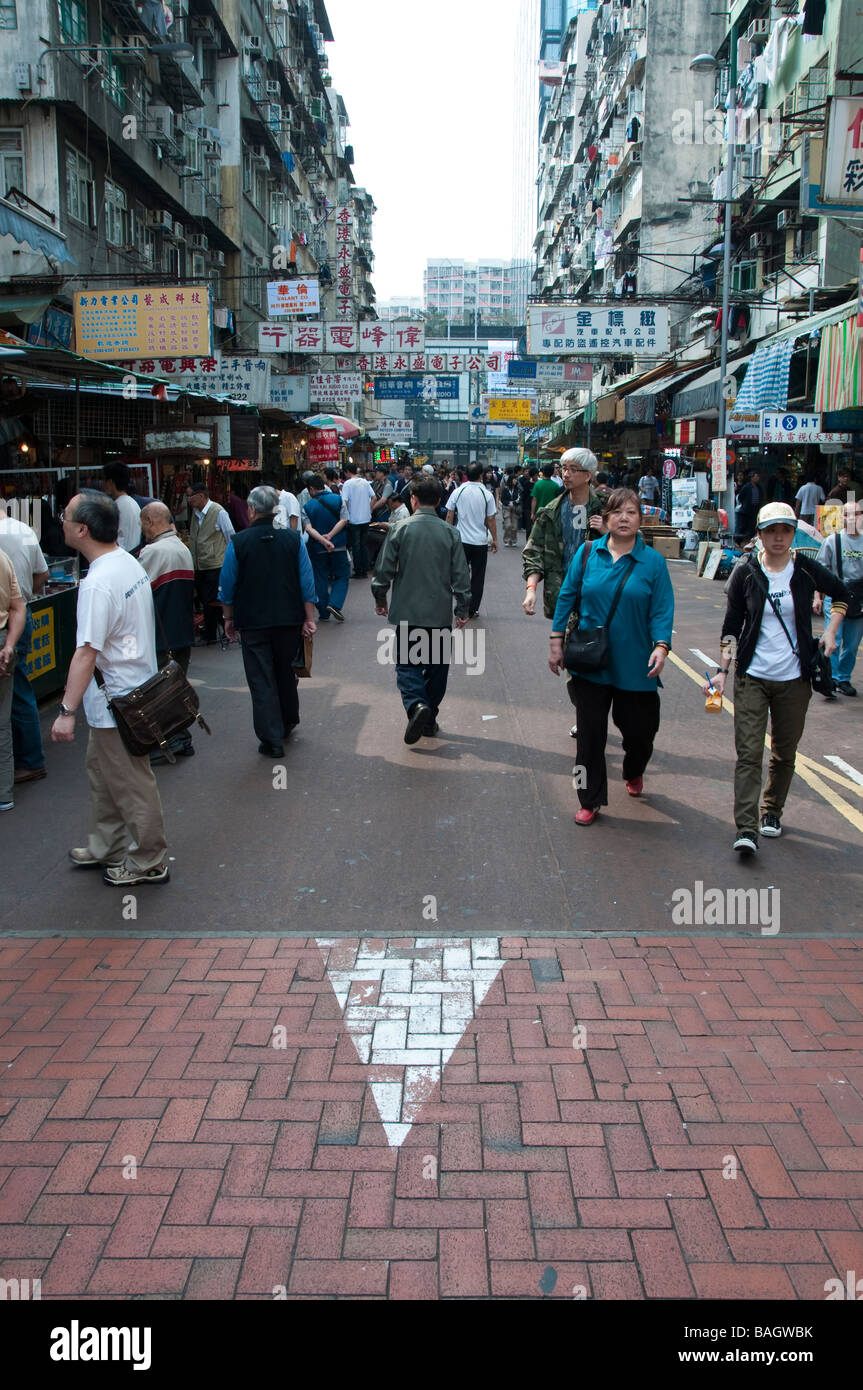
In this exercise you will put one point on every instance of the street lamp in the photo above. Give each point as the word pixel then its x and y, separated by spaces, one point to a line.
pixel 706 62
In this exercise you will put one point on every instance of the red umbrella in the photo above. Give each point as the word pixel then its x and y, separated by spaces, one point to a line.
pixel 345 427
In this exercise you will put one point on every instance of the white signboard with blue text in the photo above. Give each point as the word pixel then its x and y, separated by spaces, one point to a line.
pixel 781 427
pixel 555 330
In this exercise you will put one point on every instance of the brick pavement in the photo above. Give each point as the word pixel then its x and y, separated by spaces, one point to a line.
pixel 204 1118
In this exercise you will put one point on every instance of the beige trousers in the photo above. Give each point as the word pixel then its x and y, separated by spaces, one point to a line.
pixel 126 823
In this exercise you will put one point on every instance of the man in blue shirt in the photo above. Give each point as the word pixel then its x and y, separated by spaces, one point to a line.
pixel 267 591
pixel 326 528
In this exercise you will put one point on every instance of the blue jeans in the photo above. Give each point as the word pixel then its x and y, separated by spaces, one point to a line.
pixel 26 732
pixel 332 578
pixel 422 684
pixel 847 641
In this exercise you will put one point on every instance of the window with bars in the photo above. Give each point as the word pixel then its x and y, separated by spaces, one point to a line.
pixel 116 215
pixel 11 161
pixel 80 193
pixel 114 81
pixel 8 15
pixel 73 21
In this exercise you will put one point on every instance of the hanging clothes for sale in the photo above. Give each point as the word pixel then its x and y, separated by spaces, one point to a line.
pixel 814 12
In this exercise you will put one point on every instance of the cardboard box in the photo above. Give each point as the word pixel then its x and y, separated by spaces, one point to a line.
pixel 669 546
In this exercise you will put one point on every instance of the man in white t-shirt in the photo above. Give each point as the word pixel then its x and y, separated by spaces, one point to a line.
pixel 648 488
pixel 117 634
pixel 287 514
pixel 358 496
pixel 117 482
pixel 477 522
pixel 808 499
pixel 20 542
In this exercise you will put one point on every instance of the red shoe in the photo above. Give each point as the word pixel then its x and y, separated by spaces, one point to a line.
pixel 635 787
pixel 585 817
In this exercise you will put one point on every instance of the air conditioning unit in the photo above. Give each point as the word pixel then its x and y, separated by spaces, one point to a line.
pixel 160 220
pixel 635 153
pixel 273 114
pixel 211 149
pixel 759 241
pixel 198 242
pixel 179 232
pixel 217 257
pixel 253 43
pixel 161 120
pixel 758 29
pixel 787 218
pixel 273 89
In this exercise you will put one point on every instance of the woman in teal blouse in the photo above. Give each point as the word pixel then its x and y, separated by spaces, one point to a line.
pixel 639 639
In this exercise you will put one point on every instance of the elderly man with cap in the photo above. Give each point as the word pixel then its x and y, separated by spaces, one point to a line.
pixel 168 563
pixel 768 631
pixel 560 528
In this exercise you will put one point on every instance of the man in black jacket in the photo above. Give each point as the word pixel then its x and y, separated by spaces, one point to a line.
pixel 768 628
pixel 267 591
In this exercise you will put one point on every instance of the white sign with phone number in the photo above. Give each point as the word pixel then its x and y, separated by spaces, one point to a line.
pixel 779 428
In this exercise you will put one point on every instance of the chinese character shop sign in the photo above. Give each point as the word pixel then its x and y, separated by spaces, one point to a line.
pixel 241 378
pixel 114 324
pixel 777 428
pixel 843 170
pixel 344 260
pixel 334 388
pixel 323 446
pixel 293 297
pixel 416 388
pixel 596 328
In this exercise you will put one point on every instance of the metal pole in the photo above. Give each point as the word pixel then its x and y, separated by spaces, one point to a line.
pixel 731 113
pixel 589 411
pixel 77 434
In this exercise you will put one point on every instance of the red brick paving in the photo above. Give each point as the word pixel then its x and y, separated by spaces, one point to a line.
pixel 534 1170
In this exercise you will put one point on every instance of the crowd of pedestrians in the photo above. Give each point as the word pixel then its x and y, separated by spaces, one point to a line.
pixel 271 565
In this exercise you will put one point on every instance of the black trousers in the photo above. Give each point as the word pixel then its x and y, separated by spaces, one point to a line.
pixel 636 714
pixel 477 559
pixel 268 654
pixel 207 588
pixel 357 536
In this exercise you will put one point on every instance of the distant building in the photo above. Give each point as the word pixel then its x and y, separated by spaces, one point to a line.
pixel 483 289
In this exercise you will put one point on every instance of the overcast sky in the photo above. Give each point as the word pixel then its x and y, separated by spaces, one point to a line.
pixel 429 93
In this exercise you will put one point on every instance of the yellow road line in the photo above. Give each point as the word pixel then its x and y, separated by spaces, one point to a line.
pixel 808 771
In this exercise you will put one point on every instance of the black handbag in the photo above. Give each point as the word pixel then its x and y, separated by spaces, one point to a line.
pixel 820 672
pixel 155 712
pixel 854 586
pixel 587 649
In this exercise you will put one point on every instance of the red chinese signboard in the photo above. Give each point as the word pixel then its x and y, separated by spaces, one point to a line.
pixel 323 446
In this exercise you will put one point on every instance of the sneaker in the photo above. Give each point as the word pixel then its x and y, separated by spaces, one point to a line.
pixel 573 733
pixel 83 859
pixel 831 695
pixel 337 614
pixel 121 876
pixel 635 787
pixel 771 825
pixel 272 750
pixel 846 687
pixel 418 720
pixel 585 817
pixel 746 842
pixel 7 805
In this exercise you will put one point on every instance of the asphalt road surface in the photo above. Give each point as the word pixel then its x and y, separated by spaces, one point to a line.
pixel 471 833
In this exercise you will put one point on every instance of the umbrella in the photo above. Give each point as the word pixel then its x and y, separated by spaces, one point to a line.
pixel 345 427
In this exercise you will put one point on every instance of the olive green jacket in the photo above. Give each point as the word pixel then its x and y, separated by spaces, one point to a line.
pixel 543 554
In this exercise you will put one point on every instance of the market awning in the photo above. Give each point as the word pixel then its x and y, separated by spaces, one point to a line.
pixel 23 308
pixel 840 366
pixel 638 407
pixel 700 400
pixel 31 234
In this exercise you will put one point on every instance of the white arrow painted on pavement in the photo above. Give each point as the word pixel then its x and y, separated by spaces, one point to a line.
pixel 845 767
pixel 702 656
pixel 425 1005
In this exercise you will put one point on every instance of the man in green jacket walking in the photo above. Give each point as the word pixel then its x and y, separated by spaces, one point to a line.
pixel 560 528
pixel 424 560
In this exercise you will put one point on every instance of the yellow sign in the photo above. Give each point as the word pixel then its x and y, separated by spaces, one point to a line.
pixel 510 408
pixel 545 417
pixel 143 323
pixel 43 652
pixel 829 518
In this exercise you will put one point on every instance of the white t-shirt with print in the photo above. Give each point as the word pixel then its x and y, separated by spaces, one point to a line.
pixel 116 618
pixel 359 495
pixel 774 659
pixel 474 503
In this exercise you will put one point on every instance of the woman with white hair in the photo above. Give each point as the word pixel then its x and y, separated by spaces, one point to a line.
pixel 561 528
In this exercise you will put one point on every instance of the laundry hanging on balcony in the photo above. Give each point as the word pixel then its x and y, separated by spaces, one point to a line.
pixel 765 386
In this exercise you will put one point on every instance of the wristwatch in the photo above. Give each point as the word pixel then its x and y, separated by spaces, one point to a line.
pixel 66 711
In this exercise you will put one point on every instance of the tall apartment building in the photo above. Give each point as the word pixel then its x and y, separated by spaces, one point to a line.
pixel 456 288
pixel 137 149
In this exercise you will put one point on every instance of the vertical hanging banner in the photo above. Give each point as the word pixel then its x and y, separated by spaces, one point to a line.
pixel 718 465
pixel 344 260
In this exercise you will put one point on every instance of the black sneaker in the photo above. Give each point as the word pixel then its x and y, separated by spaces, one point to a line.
pixel 831 695
pixel 271 750
pixel 846 687
pixel 771 826
pixel 418 720
pixel 337 614
pixel 746 842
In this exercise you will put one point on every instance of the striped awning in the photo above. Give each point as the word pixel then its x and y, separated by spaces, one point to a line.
pixel 840 366
pixel 765 386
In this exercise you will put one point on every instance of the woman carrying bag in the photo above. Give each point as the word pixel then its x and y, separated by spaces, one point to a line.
pixel 620 592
